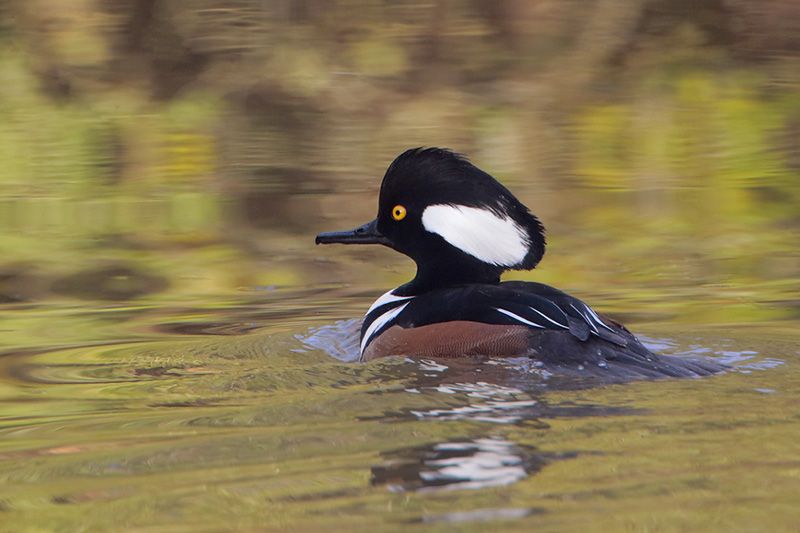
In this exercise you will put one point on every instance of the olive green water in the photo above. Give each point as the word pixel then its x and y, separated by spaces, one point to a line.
pixel 177 355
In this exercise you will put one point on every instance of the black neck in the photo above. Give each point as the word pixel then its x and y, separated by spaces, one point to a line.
pixel 431 276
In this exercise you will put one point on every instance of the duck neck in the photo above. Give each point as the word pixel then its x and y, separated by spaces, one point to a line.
pixel 432 276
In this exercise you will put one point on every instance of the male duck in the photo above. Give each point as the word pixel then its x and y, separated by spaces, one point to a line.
pixel 463 229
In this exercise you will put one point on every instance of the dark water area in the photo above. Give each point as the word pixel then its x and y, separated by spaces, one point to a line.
pixel 178 355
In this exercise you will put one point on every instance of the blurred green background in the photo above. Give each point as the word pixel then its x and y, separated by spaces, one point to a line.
pixel 165 166
pixel 163 151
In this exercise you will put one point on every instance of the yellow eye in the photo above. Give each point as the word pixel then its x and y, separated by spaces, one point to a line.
pixel 398 212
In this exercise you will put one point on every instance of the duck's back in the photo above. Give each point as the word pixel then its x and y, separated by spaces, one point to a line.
pixel 515 318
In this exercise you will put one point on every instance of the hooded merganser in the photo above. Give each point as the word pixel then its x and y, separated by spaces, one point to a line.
pixel 463 229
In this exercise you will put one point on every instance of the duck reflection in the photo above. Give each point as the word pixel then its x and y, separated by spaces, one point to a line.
pixel 458 465
pixel 487 402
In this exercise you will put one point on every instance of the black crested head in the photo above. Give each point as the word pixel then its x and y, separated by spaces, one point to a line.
pixel 461 204
pixel 458 223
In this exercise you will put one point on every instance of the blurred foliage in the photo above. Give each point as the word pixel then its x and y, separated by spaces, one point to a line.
pixel 204 143
pixel 166 164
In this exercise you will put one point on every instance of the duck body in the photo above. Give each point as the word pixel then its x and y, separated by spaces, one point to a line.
pixel 512 319
pixel 463 229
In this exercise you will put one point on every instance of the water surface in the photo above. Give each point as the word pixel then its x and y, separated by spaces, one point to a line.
pixel 230 421
pixel 177 355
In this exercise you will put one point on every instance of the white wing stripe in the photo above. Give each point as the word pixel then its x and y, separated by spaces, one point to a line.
pixel 597 319
pixel 379 322
pixel 548 318
pixel 518 318
pixel 586 318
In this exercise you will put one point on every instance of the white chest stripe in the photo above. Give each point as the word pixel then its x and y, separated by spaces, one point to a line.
pixel 478 232
pixel 518 318
pixel 387 298
pixel 379 322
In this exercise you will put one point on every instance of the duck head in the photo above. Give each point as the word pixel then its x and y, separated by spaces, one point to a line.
pixel 457 223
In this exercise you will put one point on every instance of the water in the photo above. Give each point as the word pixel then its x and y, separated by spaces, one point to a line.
pixel 229 421
pixel 177 355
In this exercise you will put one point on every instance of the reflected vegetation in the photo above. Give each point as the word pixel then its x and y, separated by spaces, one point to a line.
pixel 168 325
pixel 243 430
pixel 658 141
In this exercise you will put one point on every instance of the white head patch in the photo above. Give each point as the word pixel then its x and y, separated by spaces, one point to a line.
pixel 481 233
